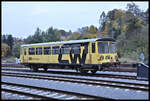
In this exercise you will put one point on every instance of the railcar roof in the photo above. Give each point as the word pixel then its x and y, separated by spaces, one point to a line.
pixel 69 42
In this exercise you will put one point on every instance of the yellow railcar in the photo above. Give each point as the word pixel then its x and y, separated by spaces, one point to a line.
pixel 82 55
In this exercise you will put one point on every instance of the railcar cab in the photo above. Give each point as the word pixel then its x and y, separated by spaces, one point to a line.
pixel 107 54
pixel 102 54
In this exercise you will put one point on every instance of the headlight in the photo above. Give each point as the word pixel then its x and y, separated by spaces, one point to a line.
pixel 101 58
pixel 107 57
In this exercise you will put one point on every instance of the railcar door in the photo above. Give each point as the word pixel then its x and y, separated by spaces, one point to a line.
pixel 24 55
pixel 21 55
pixel 93 53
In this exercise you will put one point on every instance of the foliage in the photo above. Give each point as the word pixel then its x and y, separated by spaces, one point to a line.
pixel 87 36
pixel 8 39
pixel 133 8
pixel 130 29
pixel 102 20
pixel 134 40
pixel 82 30
pixel 16 49
pixel 74 36
pixel 4 39
pixel 4 50
pixel 44 36
pixel 92 29
pixel 51 35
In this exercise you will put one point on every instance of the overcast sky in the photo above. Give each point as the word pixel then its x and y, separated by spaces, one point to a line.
pixel 22 18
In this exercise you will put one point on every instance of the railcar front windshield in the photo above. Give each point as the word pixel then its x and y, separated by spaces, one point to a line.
pixel 112 48
pixel 104 47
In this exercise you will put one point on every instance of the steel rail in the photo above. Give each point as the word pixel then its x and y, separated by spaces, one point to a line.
pixel 81 80
pixel 79 95
pixel 26 94
pixel 75 73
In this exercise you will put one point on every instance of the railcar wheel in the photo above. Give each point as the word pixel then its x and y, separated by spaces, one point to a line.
pixel 83 71
pixel 93 71
pixel 100 68
pixel 45 69
pixel 77 69
pixel 31 68
pixel 35 69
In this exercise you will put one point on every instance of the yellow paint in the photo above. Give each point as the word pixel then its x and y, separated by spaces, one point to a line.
pixel 91 58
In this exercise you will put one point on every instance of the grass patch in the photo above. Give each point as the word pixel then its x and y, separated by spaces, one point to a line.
pixel 10 59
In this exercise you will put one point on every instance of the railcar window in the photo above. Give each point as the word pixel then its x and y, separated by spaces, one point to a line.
pixel 93 47
pixel 47 50
pixel 39 51
pixel 103 47
pixel 56 50
pixel 31 51
pixel 65 50
pixel 21 51
pixel 112 48
pixel 25 52
pixel 76 50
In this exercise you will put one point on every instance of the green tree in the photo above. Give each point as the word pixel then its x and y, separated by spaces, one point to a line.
pixel 42 36
pixel 10 42
pixel 37 37
pixel 133 8
pixel 52 35
pixel 16 49
pixel 4 40
pixel 102 20
pixel 29 39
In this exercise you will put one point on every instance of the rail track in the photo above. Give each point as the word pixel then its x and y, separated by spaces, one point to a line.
pixel 121 68
pixel 93 82
pixel 76 73
pixel 45 93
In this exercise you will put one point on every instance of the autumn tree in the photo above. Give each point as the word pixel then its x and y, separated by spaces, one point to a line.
pixel 92 29
pixel 74 36
pixel 4 50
